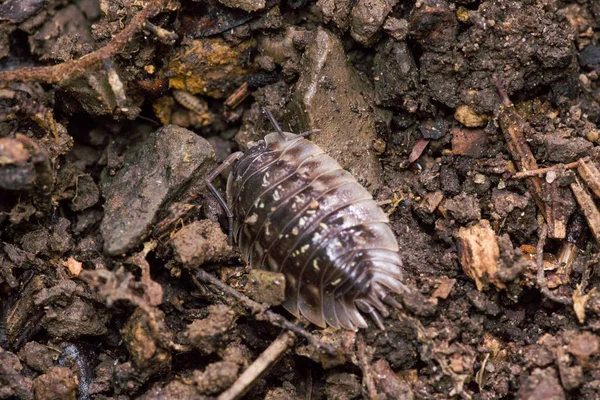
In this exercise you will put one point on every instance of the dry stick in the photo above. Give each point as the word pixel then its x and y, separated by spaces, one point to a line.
pixel 514 126
pixel 262 364
pixel 541 279
pixel 542 171
pixel 261 312
pixel 364 362
pixel 60 72
pixel 588 207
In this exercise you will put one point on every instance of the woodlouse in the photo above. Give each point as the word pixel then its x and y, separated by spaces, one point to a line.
pixel 293 209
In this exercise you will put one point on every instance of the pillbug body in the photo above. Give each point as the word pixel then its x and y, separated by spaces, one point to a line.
pixel 293 209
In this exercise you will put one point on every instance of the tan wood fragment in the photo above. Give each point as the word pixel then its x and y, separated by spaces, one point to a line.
pixel 590 174
pixel 545 170
pixel 431 201
pixel 479 254
pixel 591 213
pixel 514 126
pixel 261 365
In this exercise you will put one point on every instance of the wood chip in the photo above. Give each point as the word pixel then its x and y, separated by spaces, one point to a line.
pixel 73 266
pixel 479 254
pixel 591 213
pixel 590 174
pixel 431 201
pixel 579 302
pixel 443 291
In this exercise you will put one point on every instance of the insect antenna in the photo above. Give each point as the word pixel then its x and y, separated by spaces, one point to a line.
pixel 274 123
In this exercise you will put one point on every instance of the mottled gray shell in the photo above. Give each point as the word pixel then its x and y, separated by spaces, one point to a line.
pixel 296 211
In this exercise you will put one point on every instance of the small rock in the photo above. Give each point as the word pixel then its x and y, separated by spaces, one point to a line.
pixel 175 389
pixel 469 118
pixel 565 149
pixel 147 353
pixel 590 56
pixel 342 385
pixel 16 170
pixel 17 11
pixel 336 11
pixel 331 97
pixel 366 18
pixel 464 208
pixel 538 355
pixel 266 286
pixel 37 356
pixel 286 392
pixel 433 129
pixel 79 318
pixel 449 180
pixel 246 5
pixel 444 289
pixel 571 377
pixel 155 171
pixel 217 377
pixel 58 383
pixel 584 345
pixel 61 240
pixel 87 195
pixel 541 384
pixel 389 384
pixel 505 202
pixel 211 333
pixel 396 28
pixel 433 24
pixel 469 142
pixel 395 73
pixel 73 266
pixel 12 383
pixel 200 242
pixel 35 241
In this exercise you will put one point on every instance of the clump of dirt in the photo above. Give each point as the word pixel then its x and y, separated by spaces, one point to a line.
pixel 474 124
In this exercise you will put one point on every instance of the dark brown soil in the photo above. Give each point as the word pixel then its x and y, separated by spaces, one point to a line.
pixel 113 112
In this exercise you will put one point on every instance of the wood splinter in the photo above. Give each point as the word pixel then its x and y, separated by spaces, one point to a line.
pixel 515 129
pixel 588 208
pixel 264 362
pixel 545 170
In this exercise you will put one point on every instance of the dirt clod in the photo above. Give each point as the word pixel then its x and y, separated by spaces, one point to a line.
pixel 199 243
pixel 327 83
pixel 57 383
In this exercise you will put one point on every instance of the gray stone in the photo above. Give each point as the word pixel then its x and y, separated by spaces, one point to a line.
pixel 154 173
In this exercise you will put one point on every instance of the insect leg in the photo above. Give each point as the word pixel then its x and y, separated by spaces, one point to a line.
pixel 308 133
pixel 229 161
pixel 366 308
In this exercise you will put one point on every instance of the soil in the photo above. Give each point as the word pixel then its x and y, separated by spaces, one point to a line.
pixel 113 113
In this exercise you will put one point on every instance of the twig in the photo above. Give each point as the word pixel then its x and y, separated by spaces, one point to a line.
pixel 260 311
pixel 514 128
pixel 365 355
pixel 262 364
pixel 60 72
pixel 542 171
pixel 541 279
pixel 588 208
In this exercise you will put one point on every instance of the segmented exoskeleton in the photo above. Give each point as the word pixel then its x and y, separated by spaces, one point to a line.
pixel 293 209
